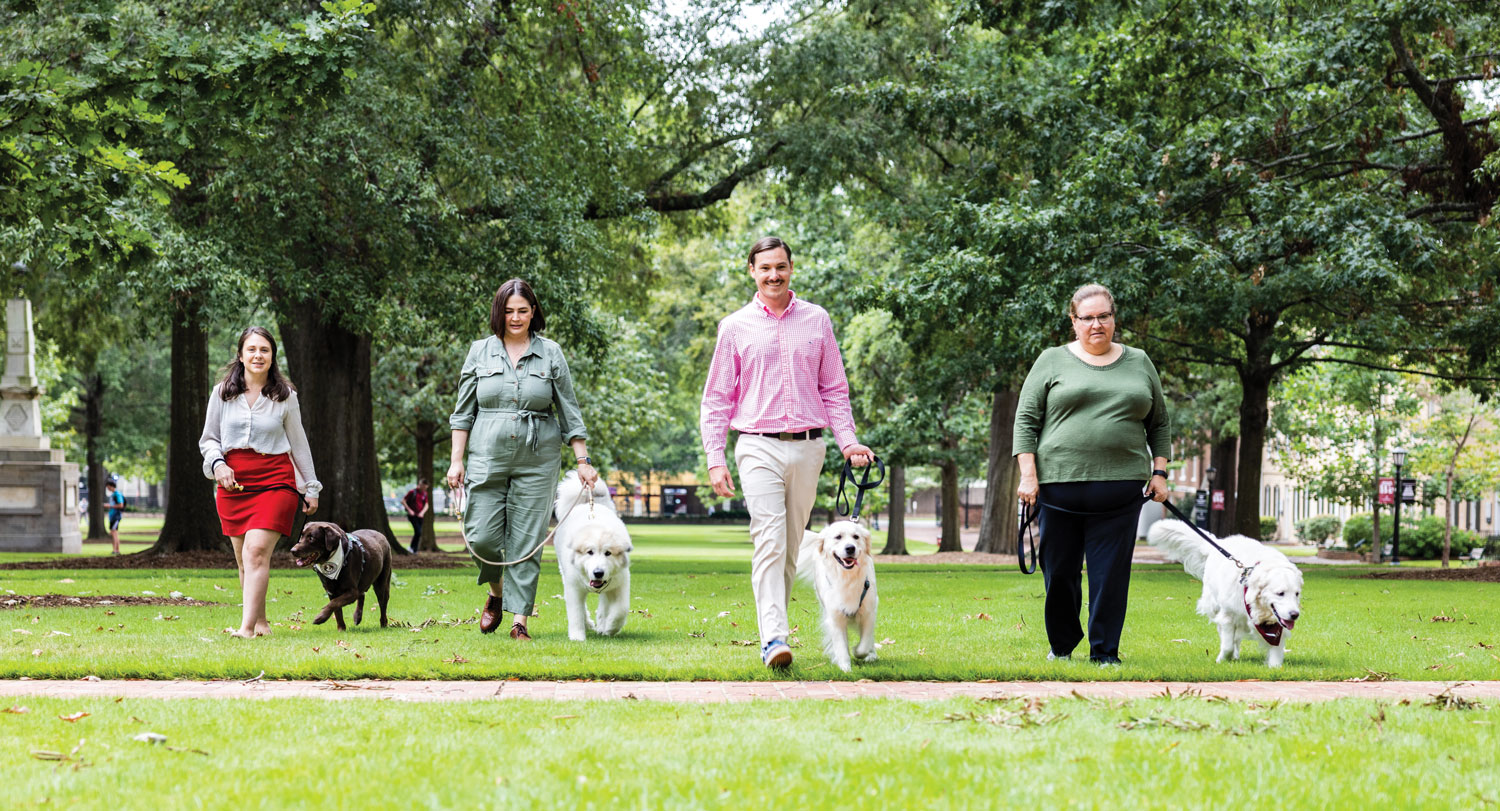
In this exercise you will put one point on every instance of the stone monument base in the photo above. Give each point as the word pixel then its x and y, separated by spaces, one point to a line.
pixel 38 502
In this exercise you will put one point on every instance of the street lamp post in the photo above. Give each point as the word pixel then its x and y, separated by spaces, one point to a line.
pixel 1398 458
pixel 1209 476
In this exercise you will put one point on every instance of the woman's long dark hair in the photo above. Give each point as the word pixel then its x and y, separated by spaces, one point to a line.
pixel 232 384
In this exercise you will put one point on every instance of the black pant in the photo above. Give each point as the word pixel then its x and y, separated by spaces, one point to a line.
pixel 416 530
pixel 1107 541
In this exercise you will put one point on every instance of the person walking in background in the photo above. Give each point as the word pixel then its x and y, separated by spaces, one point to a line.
pixel 776 377
pixel 418 503
pixel 1091 426
pixel 516 407
pixel 116 502
pixel 254 446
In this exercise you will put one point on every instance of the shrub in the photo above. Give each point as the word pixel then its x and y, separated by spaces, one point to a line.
pixel 1318 529
pixel 1421 539
pixel 1267 528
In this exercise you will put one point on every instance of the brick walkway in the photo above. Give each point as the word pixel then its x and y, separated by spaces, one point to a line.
pixel 717 692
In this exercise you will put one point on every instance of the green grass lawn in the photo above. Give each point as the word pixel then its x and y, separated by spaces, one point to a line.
pixel 1185 752
pixel 694 619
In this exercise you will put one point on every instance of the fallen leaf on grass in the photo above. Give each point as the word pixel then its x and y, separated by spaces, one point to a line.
pixel 563 717
pixel 149 737
pixel 43 754
pixel 854 714
pixel 696 634
pixel 89 677
pixel 723 613
pixel 66 580
pixel 22 631
pixel 456 660
pixel 58 633
pixel 167 617
pixel 185 749
pixel 16 710
pixel 1442 618
pixel 77 716
pixel 886 641
pixel 218 587
pixel 744 643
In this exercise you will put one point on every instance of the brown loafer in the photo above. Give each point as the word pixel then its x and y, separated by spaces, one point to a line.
pixel 518 631
pixel 489 618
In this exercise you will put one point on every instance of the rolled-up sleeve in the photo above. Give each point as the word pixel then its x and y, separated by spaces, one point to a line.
pixel 569 416
pixel 720 392
pixel 467 408
pixel 1030 410
pixel 1158 427
pixel 296 436
pixel 833 388
pixel 209 443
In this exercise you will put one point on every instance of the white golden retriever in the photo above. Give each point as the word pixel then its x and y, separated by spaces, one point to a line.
pixel 593 555
pixel 837 561
pixel 1270 599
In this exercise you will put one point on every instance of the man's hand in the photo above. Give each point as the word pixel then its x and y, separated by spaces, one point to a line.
pixel 859 455
pixel 721 480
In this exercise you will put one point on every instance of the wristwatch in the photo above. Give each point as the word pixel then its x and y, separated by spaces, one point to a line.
pixel 1161 473
pixel 584 460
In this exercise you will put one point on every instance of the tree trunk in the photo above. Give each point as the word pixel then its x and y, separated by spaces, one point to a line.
pixel 1255 388
pixel 997 529
pixel 951 540
pixel 192 519
pixel 1223 455
pixel 331 368
pixel 1447 507
pixel 1377 552
pixel 93 427
pixel 895 530
pixel 426 434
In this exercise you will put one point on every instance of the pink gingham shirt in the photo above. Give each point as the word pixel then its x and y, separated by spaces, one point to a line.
pixel 773 374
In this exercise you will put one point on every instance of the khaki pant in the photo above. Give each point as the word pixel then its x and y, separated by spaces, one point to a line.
pixel 780 483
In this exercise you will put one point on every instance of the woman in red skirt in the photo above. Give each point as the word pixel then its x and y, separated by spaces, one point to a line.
pixel 253 445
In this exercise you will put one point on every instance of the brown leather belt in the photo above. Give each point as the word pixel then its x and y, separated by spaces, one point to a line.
pixel 788 436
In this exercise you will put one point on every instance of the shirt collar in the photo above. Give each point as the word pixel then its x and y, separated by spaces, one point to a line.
pixel 765 308
pixel 497 346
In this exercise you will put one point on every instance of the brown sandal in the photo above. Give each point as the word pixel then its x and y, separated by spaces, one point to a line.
pixel 518 631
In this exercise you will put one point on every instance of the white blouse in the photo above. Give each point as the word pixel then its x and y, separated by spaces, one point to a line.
pixel 268 427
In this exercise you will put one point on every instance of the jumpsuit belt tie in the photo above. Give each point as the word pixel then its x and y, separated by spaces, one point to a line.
pixel 531 417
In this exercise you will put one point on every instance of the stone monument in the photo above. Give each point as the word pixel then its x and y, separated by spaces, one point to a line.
pixel 38 490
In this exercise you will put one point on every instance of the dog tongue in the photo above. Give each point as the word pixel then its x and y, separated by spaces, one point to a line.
pixel 1288 623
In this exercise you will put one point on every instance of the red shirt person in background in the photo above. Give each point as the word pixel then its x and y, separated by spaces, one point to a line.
pixel 418 503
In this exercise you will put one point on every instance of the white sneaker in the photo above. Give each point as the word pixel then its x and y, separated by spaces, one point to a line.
pixel 1051 656
pixel 776 654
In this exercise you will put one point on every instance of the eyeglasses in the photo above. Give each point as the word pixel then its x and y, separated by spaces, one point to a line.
pixel 1101 318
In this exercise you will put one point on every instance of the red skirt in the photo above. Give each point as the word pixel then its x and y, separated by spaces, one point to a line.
pixel 255 508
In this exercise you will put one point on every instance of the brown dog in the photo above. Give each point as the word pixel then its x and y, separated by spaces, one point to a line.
pixel 348 563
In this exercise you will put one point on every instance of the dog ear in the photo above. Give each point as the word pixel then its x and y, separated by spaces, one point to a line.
pixel 1255 591
pixel 330 538
pixel 864 541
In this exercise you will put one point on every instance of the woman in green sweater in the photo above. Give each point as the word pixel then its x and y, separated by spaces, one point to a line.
pixel 1090 427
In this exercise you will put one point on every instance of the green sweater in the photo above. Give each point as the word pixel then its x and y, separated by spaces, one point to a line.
pixel 1092 423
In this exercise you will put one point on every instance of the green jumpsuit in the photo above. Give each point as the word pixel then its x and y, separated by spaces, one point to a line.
pixel 516 419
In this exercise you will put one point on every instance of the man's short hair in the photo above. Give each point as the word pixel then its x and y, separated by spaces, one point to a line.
pixel 108 485
pixel 769 244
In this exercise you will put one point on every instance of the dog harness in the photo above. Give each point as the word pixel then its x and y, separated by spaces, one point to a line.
pixel 334 566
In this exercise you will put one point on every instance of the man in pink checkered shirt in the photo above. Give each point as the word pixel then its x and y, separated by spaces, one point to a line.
pixel 777 378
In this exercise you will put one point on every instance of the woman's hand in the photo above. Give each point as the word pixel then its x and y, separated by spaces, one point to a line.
pixel 1157 488
pixel 1028 490
pixel 587 474
pixel 312 505
pixel 224 475
pixel 456 475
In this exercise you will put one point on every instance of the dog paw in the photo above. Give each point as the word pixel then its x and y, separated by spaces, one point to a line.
pixel 320 619
pixel 869 657
pixel 577 637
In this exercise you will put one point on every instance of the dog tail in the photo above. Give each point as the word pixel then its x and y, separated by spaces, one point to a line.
pixel 570 490
pixel 1180 543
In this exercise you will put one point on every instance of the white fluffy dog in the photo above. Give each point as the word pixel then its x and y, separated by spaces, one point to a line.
pixel 1270 599
pixel 593 555
pixel 837 561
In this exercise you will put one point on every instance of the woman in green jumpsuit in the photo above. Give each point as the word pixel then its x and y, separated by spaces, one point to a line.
pixel 515 407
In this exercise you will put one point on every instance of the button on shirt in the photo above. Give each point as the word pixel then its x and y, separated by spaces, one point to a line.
pixel 268 427
pixel 772 374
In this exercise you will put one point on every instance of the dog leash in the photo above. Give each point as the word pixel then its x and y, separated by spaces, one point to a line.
pixel 270 488
pixel 1029 515
pixel 462 501
pixel 863 484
